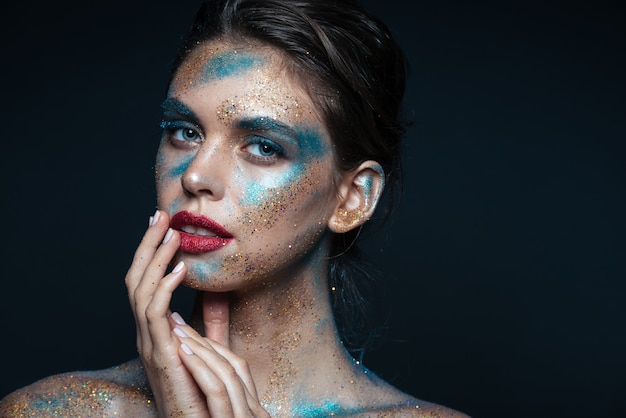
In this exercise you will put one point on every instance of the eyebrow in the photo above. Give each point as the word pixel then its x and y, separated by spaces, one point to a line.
pixel 178 108
pixel 263 123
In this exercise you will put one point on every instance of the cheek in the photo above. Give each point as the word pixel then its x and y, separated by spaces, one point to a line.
pixel 168 168
pixel 287 199
pixel 168 172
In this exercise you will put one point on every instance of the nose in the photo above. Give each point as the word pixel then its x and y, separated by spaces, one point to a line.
pixel 204 176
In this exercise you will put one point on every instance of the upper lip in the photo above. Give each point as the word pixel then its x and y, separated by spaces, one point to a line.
pixel 198 225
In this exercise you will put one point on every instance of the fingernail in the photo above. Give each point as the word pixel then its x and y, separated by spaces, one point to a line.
pixel 154 218
pixel 178 319
pixel 186 348
pixel 180 332
pixel 178 267
pixel 167 236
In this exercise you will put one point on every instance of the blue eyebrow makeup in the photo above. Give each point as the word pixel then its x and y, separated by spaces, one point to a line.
pixel 267 124
pixel 309 140
pixel 175 108
pixel 312 142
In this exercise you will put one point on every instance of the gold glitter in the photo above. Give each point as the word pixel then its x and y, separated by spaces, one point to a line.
pixel 71 395
pixel 266 95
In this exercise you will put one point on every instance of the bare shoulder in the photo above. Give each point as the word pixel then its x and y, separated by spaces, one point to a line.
pixel 120 390
pixel 385 400
pixel 416 408
pixel 411 407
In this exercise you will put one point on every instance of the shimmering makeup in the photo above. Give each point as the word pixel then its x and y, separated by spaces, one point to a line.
pixel 326 409
pixel 228 64
pixel 367 183
pixel 83 395
pixel 277 103
pixel 259 104
pixel 176 115
pixel 202 270
pixel 180 167
pixel 177 109
pixel 310 146
pixel 205 65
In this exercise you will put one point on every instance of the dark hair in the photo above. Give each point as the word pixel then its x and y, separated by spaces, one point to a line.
pixel 358 73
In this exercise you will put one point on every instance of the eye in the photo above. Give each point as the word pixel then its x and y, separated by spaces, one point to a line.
pixel 186 134
pixel 264 148
pixel 181 133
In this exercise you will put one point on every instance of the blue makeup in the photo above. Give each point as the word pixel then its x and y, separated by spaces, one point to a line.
pixel 203 270
pixel 311 143
pixel 366 183
pixel 306 410
pixel 309 140
pixel 254 195
pixel 228 64
pixel 308 143
pixel 266 124
pixel 177 109
pixel 179 169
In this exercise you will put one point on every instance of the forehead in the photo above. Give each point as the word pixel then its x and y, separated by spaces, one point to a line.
pixel 245 78
pixel 212 61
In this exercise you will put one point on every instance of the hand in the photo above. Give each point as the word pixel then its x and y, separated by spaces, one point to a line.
pixel 150 292
pixel 201 378
pixel 223 377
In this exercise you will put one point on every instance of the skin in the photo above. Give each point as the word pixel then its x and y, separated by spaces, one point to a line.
pixel 262 341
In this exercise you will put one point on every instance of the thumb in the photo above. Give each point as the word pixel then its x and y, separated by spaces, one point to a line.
pixel 215 315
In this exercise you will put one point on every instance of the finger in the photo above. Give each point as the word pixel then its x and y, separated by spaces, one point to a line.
pixel 158 310
pixel 150 314
pixel 218 379
pixel 155 270
pixel 215 315
pixel 240 365
pixel 151 240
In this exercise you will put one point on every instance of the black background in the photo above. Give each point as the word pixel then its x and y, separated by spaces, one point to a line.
pixel 504 267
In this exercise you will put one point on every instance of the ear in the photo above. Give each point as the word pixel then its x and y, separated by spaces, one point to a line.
pixel 359 193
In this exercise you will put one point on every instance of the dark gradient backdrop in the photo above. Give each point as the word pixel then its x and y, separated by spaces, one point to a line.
pixel 504 266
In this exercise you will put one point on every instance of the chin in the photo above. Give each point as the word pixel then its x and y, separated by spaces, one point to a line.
pixel 209 284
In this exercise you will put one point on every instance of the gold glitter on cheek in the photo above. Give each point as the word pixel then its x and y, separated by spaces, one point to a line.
pixel 294 212
pixel 285 201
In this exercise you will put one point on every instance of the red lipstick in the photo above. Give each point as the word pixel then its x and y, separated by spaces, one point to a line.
pixel 199 234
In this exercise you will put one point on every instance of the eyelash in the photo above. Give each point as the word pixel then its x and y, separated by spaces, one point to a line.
pixel 278 151
pixel 172 127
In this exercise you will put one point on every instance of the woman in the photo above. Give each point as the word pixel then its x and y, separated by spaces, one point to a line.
pixel 280 132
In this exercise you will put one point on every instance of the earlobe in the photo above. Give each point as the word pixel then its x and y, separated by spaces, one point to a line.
pixel 359 194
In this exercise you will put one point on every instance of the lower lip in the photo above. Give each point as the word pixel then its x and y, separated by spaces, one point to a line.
pixel 199 244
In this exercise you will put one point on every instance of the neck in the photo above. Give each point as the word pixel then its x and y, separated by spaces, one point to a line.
pixel 286 333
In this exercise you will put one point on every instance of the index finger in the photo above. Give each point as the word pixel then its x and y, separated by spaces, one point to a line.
pixel 151 240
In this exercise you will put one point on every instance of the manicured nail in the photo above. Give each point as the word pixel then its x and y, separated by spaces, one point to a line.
pixel 167 236
pixel 186 349
pixel 178 319
pixel 178 267
pixel 155 218
pixel 180 332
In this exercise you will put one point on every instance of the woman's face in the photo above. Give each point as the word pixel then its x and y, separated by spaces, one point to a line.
pixel 245 169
